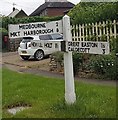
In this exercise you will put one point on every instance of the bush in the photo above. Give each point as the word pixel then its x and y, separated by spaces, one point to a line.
pixel 58 56
pixel 104 65
pixel 77 62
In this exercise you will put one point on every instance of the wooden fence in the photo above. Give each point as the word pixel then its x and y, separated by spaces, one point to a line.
pixel 102 31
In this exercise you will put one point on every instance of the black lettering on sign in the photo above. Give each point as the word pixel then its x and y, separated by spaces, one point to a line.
pixel 32 26
pixel 14 34
pixel 56 45
pixel 57 24
pixel 34 44
pixel 57 30
pixel 102 45
pixel 103 51
pixel 40 45
pixel 89 44
pixel 48 45
pixel 70 49
pixel 80 50
pixel 75 44
pixel 84 50
pixel 37 32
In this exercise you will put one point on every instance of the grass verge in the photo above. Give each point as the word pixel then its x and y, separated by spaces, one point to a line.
pixel 46 96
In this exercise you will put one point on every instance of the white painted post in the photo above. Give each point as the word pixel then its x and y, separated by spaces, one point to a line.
pixel 70 96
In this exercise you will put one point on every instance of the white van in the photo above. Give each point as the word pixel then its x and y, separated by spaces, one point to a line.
pixel 38 53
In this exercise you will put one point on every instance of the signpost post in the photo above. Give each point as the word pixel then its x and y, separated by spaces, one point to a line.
pixel 70 96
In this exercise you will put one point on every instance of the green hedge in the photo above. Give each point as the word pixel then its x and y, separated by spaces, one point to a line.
pixel 6 20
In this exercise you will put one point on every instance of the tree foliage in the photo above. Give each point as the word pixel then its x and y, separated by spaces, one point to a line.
pixel 88 12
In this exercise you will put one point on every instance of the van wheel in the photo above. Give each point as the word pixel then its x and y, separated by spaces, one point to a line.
pixel 25 57
pixel 39 55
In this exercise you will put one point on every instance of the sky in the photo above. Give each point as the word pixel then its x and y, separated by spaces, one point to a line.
pixel 6 6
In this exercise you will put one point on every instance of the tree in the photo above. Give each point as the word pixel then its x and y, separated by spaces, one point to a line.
pixel 88 12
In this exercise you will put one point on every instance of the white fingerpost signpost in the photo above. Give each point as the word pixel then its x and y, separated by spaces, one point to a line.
pixel 70 96
pixel 66 45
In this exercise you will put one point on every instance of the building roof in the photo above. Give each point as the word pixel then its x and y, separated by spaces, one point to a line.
pixel 15 12
pixel 52 5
